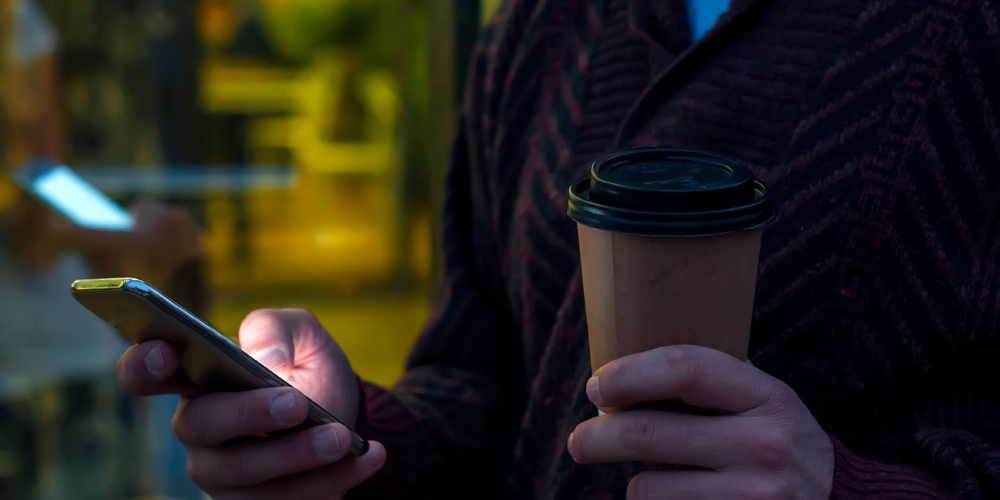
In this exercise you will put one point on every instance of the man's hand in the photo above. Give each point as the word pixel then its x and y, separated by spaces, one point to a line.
pixel 228 455
pixel 766 443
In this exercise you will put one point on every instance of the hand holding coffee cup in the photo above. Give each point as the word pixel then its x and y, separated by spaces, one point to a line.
pixel 762 443
pixel 669 246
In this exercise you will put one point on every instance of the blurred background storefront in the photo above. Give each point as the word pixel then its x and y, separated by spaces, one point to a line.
pixel 307 139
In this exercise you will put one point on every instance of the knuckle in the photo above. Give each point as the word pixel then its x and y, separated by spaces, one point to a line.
pixel 783 398
pixel 251 413
pixel 771 451
pixel 262 319
pixel 199 475
pixel 303 319
pixel 301 314
pixel 641 488
pixel 638 434
pixel 245 413
pixel 684 363
pixel 761 489
pixel 237 471
pixel 186 424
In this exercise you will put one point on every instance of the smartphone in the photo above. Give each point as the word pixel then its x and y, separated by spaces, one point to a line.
pixel 64 190
pixel 209 359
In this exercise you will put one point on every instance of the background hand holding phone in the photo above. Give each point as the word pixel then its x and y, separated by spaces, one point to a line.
pixel 60 211
pixel 163 238
pixel 230 452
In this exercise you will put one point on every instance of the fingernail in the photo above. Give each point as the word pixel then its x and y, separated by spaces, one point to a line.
pixel 283 408
pixel 272 357
pixel 594 390
pixel 326 443
pixel 569 444
pixel 154 362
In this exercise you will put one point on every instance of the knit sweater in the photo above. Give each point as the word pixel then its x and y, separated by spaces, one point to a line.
pixel 872 121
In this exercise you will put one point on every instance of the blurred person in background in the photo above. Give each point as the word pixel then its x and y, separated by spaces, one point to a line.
pixel 164 238
pixel 877 325
pixel 64 431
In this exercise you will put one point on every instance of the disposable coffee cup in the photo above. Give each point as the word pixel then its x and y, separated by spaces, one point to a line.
pixel 669 247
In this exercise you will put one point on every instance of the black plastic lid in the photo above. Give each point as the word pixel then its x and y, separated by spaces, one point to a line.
pixel 670 192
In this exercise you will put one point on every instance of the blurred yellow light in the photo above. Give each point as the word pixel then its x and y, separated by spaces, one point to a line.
pixel 489 7
pixel 8 194
pixel 218 20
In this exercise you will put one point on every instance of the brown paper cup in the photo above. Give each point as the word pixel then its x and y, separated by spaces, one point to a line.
pixel 669 245
pixel 642 292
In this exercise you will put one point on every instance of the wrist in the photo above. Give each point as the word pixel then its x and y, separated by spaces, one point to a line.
pixel 382 417
pixel 859 478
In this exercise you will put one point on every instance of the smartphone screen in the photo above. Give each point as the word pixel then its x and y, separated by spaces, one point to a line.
pixel 80 201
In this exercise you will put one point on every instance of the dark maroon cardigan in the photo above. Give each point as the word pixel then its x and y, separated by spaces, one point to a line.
pixel 874 123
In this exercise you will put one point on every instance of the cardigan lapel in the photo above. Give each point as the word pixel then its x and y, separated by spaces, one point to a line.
pixel 663 26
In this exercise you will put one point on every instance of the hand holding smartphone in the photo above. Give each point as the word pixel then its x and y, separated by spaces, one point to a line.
pixel 207 358
pixel 151 240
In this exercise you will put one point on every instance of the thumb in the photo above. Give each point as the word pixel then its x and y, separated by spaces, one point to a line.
pixel 267 336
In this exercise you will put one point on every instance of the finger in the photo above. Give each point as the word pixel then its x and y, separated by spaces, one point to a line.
pixel 653 436
pixel 699 485
pixel 318 484
pixel 216 418
pixel 257 461
pixel 279 338
pixel 150 368
pixel 698 376
pixel 267 335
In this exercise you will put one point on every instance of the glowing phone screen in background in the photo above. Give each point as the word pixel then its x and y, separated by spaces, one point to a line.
pixel 80 201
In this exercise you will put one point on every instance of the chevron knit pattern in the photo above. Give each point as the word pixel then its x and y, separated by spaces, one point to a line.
pixel 875 124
